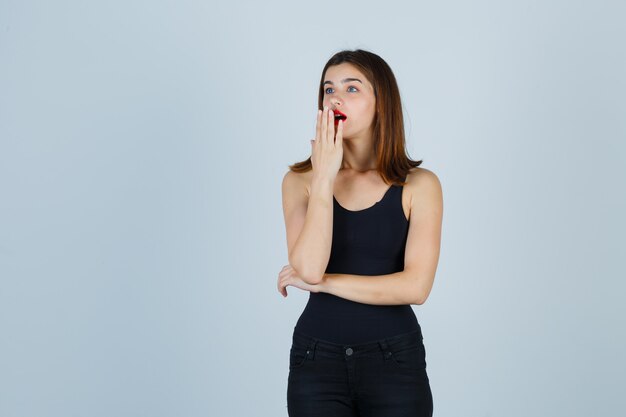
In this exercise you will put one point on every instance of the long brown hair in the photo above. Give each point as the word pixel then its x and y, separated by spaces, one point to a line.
pixel 393 163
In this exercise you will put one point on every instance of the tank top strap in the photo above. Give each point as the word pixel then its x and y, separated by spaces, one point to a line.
pixel 395 199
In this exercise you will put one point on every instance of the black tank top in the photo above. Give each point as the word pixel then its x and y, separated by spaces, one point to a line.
pixel 365 242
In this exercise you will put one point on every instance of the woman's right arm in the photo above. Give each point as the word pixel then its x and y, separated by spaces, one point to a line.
pixel 309 218
pixel 309 224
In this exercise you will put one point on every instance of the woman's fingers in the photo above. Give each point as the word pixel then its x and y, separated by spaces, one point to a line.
pixel 331 127
pixel 318 130
pixel 283 279
pixel 325 128
pixel 318 126
pixel 282 288
pixel 339 136
pixel 324 149
pixel 324 131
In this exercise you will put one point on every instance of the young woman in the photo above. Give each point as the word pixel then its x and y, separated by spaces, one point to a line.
pixel 363 226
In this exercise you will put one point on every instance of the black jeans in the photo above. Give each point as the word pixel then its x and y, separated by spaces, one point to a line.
pixel 382 378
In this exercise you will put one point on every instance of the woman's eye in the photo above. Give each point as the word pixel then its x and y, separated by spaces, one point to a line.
pixel 329 88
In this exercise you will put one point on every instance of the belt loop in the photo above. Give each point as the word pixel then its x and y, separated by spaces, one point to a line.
pixel 385 348
pixel 310 350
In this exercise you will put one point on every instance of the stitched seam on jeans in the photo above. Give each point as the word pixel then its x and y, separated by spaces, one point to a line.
pixel 406 349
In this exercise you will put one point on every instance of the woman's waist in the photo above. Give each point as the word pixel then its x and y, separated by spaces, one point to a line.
pixel 348 326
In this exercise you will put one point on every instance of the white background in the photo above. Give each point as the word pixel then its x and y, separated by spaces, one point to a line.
pixel 142 149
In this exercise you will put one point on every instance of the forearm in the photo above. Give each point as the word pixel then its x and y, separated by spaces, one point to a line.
pixel 311 251
pixel 392 289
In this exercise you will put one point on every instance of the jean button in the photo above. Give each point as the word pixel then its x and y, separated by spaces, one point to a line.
pixel 349 351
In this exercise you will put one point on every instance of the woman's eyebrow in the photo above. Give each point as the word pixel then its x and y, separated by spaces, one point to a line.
pixel 345 80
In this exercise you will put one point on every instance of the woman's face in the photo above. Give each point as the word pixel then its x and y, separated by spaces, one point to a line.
pixel 347 90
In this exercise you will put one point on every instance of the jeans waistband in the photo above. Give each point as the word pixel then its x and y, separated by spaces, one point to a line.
pixel 396 342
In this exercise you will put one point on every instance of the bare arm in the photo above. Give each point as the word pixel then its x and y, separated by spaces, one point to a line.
pixel 308 223
pixel 421 254
pixel 309 218
pixel 392 289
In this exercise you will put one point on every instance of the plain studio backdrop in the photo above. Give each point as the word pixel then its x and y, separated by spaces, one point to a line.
pixel 142 149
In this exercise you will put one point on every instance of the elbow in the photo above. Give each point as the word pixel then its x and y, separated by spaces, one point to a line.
pixel 419 290
pixel 419 294
pixel 312 278
pixel 419 300
pixel 307 275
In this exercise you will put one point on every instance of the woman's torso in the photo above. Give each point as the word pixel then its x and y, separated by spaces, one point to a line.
pixel 366 241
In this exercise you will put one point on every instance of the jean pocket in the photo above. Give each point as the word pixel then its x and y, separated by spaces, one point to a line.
pixel 297 357
pixel 409 358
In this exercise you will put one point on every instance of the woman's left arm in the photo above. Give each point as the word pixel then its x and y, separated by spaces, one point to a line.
pixel 421 254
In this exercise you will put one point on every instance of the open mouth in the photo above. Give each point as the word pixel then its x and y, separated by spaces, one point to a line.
pixel 339 116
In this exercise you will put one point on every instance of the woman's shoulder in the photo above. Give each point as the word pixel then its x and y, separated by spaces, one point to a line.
pixel 420 176
pixel 297 180
pixel 423 182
